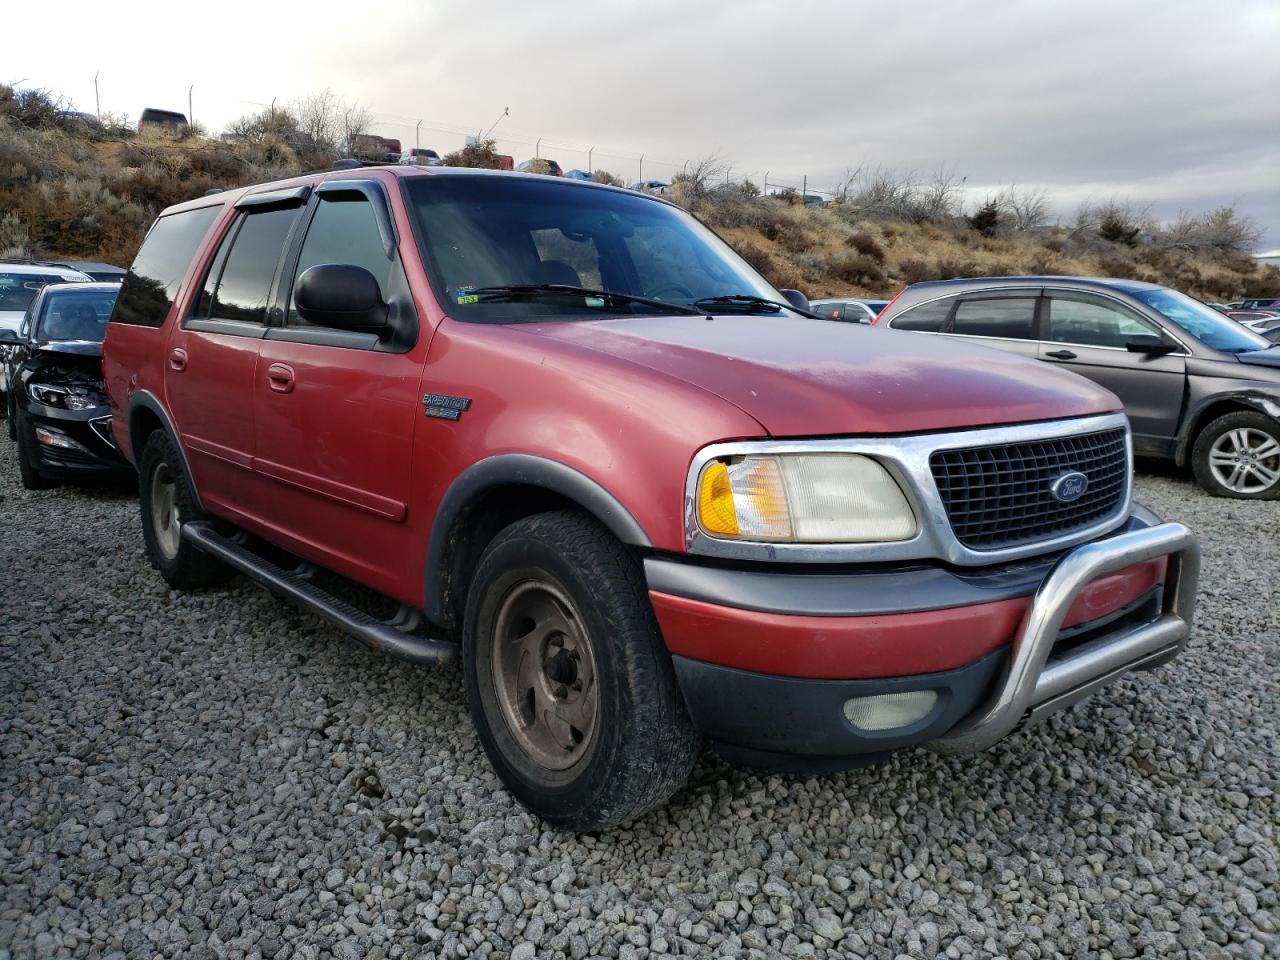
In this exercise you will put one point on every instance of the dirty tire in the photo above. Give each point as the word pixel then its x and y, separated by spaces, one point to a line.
pixel 32 479
pixel 641 744
pixel 181 564
pixel 1255 426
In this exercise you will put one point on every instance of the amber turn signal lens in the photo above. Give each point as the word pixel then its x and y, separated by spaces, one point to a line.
pixel 715 502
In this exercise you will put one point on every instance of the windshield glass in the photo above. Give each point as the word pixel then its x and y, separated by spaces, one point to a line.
pixel 490 231
pixel 17 290
pixel 74 315
pixel 1207 325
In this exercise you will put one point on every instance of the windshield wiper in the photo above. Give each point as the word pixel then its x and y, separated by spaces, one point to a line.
pixel 752 304
pixel 494 294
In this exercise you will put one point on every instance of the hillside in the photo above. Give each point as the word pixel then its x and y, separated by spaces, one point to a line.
pixel 69 189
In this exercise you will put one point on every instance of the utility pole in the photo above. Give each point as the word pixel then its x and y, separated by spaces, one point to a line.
pixel 505 112
pixel 765 192
pixel 417 139
pixel 804 190
pixel 191 113
pixel 97 104
pixel 589 153
pixel 641 176
pixel 537 147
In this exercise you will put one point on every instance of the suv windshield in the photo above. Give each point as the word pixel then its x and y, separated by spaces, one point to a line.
pixel 17 290
pixel 1207 325
pixel 74 315
pixel 501 231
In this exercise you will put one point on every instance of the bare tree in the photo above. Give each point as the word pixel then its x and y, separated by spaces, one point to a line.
pixel 1026 208
pixel 318 115
pixel 1220 233
pixel 846 186
pixel 938 199
pixel 884 193
pixel 702 175
pixel 355 119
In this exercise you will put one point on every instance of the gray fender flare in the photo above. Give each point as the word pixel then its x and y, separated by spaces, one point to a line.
pixel 523 470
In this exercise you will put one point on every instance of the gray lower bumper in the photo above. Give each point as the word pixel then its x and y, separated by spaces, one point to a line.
pixel 1034 686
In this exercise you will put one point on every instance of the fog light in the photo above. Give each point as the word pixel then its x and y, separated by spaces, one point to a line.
pixel 51 438
pixel 885 711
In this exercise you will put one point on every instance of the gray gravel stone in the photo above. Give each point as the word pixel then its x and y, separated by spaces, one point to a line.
pixel 215 774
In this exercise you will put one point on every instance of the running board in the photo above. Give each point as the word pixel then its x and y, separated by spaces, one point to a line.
pixel 294 584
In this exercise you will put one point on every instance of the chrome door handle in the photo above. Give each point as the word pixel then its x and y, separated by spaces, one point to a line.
pixel 1061 354
pixel 177 359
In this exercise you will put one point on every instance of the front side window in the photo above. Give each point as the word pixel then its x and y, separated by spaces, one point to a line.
pixel 1007 318
pixel 152 282
pixel 67 315
pixel 239 283
pixel 1207 325
pixel 926 318
pixel 483 232
pixel 1094 323
pixel 343 230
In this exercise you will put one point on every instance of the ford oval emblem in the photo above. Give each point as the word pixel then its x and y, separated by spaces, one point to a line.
pixel 1070 486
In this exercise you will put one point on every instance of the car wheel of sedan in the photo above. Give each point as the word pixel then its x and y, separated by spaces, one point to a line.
pixel 570 686
pixel 1238 455
pixel 28 457
pixel 166 502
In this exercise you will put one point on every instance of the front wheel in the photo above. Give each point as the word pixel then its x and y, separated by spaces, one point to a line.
pixel 569 684
pixel 1238 455
pixel 166 502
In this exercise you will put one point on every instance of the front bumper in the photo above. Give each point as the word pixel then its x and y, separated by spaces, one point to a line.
pixel 72 442
pixel 999 647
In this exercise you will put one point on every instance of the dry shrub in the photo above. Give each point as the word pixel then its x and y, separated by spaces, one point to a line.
pixel 866 245
pixel 856 268
pixel 1114 265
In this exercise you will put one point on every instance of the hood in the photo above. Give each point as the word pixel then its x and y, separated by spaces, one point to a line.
pixel 79 348
pixel 1261 358
pixel 801 377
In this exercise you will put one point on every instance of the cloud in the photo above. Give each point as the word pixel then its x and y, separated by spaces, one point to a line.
pixel 1164 100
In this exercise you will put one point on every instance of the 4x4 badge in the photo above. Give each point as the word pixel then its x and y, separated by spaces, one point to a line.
pixel 444 407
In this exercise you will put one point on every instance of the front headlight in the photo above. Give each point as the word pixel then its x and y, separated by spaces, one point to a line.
pixel 803 498
pixel 69 398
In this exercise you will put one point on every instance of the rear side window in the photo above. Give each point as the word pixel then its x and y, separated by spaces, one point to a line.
pixel 1012 318
pixel 926 318
pixel 239 282
pixel 152 282
pixel 343 230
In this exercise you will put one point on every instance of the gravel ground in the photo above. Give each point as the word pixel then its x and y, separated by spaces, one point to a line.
pixel 217 774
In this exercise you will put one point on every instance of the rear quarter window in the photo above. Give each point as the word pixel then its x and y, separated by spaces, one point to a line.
pixel 926 318
pixel 152 282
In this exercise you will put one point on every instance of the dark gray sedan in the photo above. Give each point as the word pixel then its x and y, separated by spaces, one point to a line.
pixel 1199 388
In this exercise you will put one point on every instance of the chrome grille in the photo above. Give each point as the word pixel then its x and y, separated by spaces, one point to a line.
pixel 999 496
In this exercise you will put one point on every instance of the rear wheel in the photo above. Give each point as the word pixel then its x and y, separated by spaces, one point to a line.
pixel 570 686
pixel 1238 455
pixel 28 457
pixel 166 502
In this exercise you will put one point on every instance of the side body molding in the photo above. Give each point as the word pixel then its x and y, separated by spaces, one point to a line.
pixel 514 469
pixel 146 400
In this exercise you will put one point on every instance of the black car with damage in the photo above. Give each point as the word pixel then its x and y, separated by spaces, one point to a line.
pixel 57 411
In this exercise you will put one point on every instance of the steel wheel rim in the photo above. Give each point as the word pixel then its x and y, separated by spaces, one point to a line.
pixel 544 673
pixel 1245 460
pixel 164 511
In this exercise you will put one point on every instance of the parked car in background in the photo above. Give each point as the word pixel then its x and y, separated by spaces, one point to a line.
pixel 21 280
pixel 170 120
pixel 1254 319
pixel 56 407
pixel 420 157
pixel 658 187
pixel 577 174
pixel 371 148
pixel 848 309
pixel 103 272
pixel 652 500
pixel 1199 388
pixel 1260 303
pixel 813 199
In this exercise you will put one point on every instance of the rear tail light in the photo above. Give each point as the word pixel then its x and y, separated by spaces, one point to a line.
pixel 887 307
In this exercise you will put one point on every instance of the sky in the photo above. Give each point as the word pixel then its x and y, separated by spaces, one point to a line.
pixel 1173 105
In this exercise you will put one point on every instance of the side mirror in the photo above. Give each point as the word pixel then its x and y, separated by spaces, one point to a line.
pixel 9 336
pixel 796 299
pixel 1149 344
pixel 342 296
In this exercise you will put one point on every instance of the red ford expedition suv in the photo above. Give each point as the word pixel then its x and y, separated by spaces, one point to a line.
pixel 647 499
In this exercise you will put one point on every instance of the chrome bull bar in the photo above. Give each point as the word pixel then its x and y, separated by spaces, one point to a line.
pixel 1033 686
